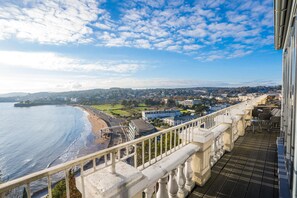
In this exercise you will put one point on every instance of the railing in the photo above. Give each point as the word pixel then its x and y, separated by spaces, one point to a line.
pixel 177 183
pixel 140 153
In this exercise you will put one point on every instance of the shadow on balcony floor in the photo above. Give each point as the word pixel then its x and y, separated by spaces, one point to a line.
pixel 250 170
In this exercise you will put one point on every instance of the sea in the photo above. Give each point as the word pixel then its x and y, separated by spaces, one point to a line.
pixel 34 138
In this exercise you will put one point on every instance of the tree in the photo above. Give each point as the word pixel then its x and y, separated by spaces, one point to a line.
pixel 171 103
pixel 200 108
pixel 152 102
pixel 124 103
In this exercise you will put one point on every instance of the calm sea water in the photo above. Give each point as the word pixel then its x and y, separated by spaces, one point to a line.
pixel 34 138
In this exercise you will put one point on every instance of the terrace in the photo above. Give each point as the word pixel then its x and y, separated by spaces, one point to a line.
pixel 173 162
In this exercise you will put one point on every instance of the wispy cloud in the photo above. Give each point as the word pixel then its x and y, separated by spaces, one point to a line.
pixel 55 62
pixel 49 21
pixel 197 29
pixel 54 83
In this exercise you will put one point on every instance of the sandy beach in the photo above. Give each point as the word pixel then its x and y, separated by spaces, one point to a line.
pixel 97 124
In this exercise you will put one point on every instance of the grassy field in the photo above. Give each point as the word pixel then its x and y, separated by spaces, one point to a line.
pixel 108 107
pixel 121 110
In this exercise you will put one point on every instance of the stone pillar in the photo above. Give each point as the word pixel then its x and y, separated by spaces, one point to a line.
pixel 228 140
pixel 240 127
pixel 247 116
pixel 201 163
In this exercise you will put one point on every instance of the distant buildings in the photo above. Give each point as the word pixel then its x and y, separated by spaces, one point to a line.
pixel 148 115
pixel 218 98
pixel 173 121
pixel 138 128
pixel 233 99
pixel 73 99
pixel 245 97
pixel 189 103
pixel 217 107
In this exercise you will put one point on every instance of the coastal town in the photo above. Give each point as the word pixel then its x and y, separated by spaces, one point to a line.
pixel 118 115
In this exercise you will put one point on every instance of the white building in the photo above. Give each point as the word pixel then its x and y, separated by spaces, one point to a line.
pixel 218 98
pixel 173 121
pixel 189 103
pixel 148 115
pixel 285 33
pixel 138 128
pixel 246 97
pixel 233 99
pixel 217 107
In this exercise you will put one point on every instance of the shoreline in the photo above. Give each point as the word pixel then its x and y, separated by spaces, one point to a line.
pixel 97 124
pixel 100 142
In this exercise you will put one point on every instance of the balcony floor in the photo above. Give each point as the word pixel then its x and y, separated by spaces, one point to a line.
pixel 250 170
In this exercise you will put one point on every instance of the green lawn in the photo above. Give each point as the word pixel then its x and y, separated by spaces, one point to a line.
pixel 120 110
pixel 107 107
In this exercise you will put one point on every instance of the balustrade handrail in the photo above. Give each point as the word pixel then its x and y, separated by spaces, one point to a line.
pixel 25 180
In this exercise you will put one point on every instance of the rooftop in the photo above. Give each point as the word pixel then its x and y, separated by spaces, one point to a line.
pixel 142 125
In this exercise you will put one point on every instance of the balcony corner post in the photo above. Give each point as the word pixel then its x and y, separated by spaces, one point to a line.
pixel 201 162
pixel 240 127
pixel 228 139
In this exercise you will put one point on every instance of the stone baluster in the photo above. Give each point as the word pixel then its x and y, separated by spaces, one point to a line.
pixel 213 153
pixel 189 174
pixel 222 144
pixel 181 181
pixel 217 148
pixel 149 191
pixel 162 191
pixel 172 185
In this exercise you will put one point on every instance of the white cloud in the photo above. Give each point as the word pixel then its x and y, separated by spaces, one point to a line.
pixel 192 47
pixel 54 62
pixel 163 44
pixel 164 25
pixel 49 21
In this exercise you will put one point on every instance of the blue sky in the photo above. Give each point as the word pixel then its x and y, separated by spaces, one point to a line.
pixel 54 45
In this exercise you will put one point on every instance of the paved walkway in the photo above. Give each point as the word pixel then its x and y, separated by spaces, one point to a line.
pixel 250 170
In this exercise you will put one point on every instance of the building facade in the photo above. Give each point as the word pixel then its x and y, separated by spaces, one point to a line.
pixel 285 34
pixel 148 115
pixel 189 103
pixel 138 128
pixel 173 121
